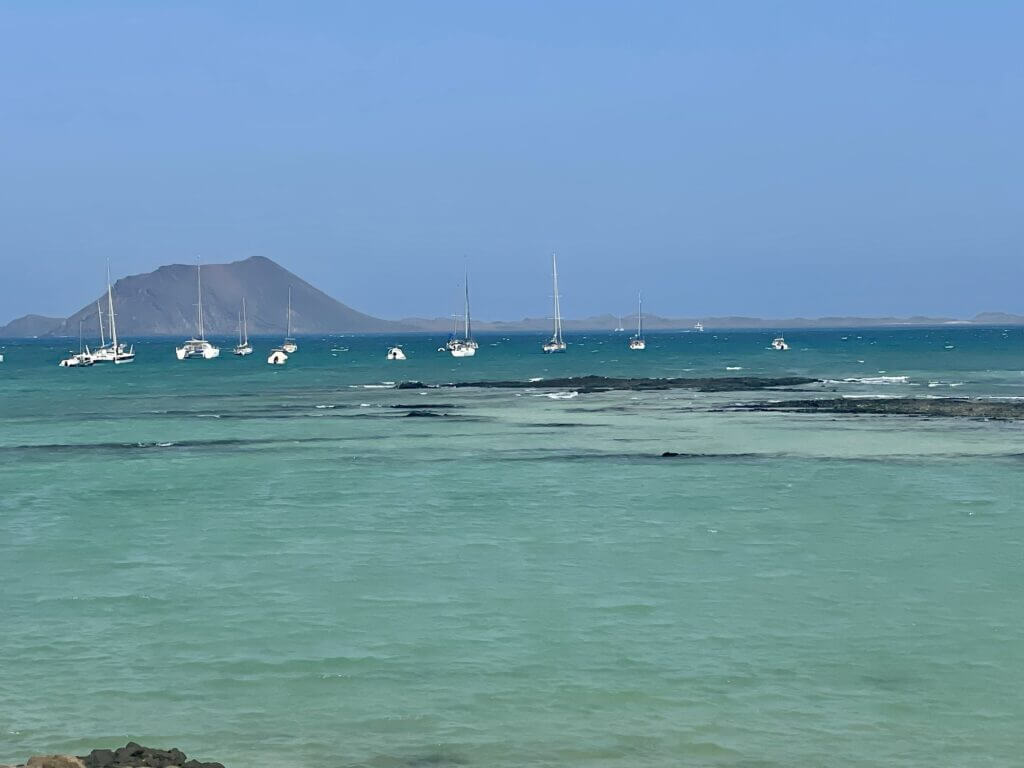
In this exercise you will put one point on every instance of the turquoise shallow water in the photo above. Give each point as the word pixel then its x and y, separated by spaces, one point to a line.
pixel 273 567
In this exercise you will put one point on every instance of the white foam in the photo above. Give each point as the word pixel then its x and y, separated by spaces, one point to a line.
pixel 561 395
pixel 323 406
pixel 734 367
pixel 871 380
pixel 537 378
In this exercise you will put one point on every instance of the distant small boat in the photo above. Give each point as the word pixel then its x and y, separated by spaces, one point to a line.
pixel 698 326
pixel 619 328
pixel 290 345
pixel 779 344
pixel 277 357
pixel 243 347
pixel 556 343
pixel 637 342
pixel 396 353
pixel 198 347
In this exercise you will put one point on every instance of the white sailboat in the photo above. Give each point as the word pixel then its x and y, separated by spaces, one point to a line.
pixel 637 342
pixel 198 347
pixel 556 343
pixel 619 328
pixel 244 347
pixel 80 360
pixel 466 346
pixel 290 346
pixel 698 327
pixel 115 351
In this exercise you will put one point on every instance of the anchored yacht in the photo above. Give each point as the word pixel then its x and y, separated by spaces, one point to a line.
pixel 466 346
pixel 396 353
pixel 698 327
pixel 115 352
pixel 82 358
pixel 290 345
pixel 637 342
pixel 198 347
pixel 243 347
pixel 556 343
pixel 277 357
pixel 779 343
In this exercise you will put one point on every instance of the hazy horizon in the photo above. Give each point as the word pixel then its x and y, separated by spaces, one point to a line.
pixel 798 159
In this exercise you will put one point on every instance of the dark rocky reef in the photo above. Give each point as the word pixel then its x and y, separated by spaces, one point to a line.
pixel 589 384
pixel 131 755
pixel 898 406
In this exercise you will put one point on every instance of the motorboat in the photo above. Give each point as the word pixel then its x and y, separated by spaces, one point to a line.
pixel 779 343
pixel 396 353
pixel 277 357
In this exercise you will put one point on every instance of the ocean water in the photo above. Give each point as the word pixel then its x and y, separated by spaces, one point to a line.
pixel 278 567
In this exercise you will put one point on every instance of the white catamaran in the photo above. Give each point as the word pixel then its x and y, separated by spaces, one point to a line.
pixel 115 351
pixel 290 346
pixel 637 342
pixel 556 343
pixel 244 347
pixel 198 347
pixel 466 346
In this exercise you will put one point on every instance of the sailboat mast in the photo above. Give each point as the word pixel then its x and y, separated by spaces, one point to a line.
pixel 245 322
pixel 199 290
pixel 639 314
pixel 558 309
pixel 467 307
pixel 99 314
pixel 289 334
pixel 110 309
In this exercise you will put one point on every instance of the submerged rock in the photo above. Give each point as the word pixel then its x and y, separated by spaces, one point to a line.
pixel 898 406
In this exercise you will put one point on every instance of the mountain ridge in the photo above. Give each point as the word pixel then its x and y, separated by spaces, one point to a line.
pixel 163 303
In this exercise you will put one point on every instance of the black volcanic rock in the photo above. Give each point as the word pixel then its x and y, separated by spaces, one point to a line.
pixel 138 756
pixel 898 406
pixel 163 303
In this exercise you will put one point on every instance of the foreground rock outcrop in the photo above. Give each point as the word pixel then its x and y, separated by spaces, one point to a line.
pixel 131 755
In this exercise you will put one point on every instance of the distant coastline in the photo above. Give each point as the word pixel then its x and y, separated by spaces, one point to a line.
pixel 162 303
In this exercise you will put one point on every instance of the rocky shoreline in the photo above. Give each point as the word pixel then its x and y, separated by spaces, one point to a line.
pixel 591 384
pixel 897 406
pixel 131 755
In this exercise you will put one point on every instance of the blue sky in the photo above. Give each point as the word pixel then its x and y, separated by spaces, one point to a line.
pixel 760 158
